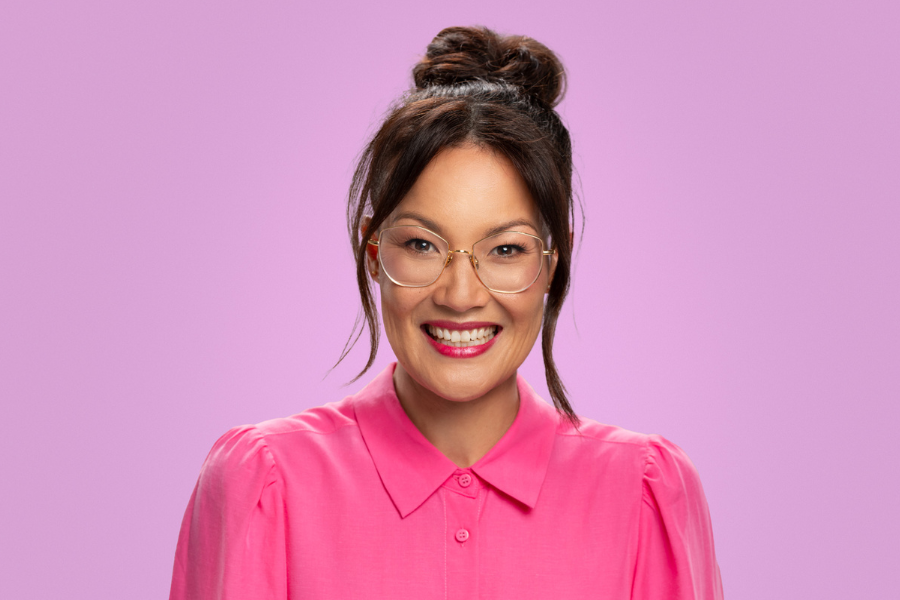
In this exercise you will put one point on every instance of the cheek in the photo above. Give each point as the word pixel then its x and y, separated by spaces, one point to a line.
pixel 397 310
pixel 527 313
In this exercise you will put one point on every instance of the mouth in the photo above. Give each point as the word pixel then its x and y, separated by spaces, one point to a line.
pixel 461 340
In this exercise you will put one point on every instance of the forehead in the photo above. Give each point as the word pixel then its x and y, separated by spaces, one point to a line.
pixel 466 192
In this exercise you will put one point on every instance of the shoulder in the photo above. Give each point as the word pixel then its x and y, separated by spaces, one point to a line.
pixel 595 441
pixel 241 448
pixel 245 445
pixel 321 420
pixel 271 450
pixel 237 469
pixel 671 480
pixel 651 457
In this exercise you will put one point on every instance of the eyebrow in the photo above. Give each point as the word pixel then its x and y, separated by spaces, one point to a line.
pixel 509 225
pixel 429 224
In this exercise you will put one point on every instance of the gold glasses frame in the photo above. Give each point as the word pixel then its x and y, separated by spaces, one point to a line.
pixel 471 255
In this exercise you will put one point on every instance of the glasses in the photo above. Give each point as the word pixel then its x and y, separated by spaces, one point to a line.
pixel 507 262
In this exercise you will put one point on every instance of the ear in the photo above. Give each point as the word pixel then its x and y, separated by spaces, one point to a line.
pixel 371 251
pixel 553 259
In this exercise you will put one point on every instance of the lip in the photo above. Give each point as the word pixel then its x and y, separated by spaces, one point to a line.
pixel 452 325
pixel 453 351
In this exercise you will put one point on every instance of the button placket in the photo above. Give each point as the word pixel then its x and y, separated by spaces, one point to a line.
pixel 464 483
pixel 463 510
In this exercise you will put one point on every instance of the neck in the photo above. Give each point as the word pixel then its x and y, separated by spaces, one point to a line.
pixel 463 431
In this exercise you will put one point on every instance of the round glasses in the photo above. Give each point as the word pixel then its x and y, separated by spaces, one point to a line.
pixel 507 262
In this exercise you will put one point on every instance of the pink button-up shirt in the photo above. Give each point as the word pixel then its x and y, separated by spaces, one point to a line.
pixel 349 500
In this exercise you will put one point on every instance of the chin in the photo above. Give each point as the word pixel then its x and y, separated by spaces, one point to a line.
pixel 463 395
pixel 459 384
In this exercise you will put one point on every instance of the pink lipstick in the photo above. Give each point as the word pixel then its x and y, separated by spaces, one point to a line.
pixel 445 335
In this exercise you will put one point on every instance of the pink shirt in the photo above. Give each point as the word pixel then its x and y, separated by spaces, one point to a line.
pixel 349 500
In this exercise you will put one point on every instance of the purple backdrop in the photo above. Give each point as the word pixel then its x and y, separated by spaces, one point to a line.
pixel 173 260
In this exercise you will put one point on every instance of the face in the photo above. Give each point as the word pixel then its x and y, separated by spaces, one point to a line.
pixel 463 195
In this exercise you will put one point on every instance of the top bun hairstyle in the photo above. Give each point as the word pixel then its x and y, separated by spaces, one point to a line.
pixel 473 86
pixel 463 54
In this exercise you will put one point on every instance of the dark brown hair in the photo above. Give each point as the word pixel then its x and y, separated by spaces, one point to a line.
pixel 473 86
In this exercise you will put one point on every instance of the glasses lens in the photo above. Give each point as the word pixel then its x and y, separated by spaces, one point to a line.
pixel 509 261
pixel 412 256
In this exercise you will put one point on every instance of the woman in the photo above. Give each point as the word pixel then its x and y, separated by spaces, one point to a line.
pixel 447 476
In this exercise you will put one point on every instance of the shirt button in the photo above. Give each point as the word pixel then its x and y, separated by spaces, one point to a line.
pixel 465 480
pixel 462 535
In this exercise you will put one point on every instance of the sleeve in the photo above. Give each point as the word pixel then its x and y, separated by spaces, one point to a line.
pixel 232 540
pixel 676 558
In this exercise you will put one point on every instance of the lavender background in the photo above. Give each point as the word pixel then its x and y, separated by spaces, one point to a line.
pixel 173 260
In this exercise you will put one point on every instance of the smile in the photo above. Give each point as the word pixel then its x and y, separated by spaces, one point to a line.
pixel 462 338
pixel 454 341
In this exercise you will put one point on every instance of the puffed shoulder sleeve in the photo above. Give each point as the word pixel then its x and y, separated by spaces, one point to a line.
pixel 232 539
pixel 676 558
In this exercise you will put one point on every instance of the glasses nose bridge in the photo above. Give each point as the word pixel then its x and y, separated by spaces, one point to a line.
pixel 471 256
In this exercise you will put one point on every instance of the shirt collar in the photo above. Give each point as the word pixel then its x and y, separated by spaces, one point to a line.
pixel 411 468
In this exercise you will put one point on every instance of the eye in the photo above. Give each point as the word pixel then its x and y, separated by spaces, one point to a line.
pixel 420 246
pixel 508 250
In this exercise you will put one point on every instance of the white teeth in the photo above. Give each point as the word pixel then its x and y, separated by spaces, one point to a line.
pixel 462 338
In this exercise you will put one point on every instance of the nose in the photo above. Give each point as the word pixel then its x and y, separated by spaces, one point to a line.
pixel 458 287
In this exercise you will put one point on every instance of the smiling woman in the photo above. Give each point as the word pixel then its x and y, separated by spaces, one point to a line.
pixel 447 476
pixel 443 310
